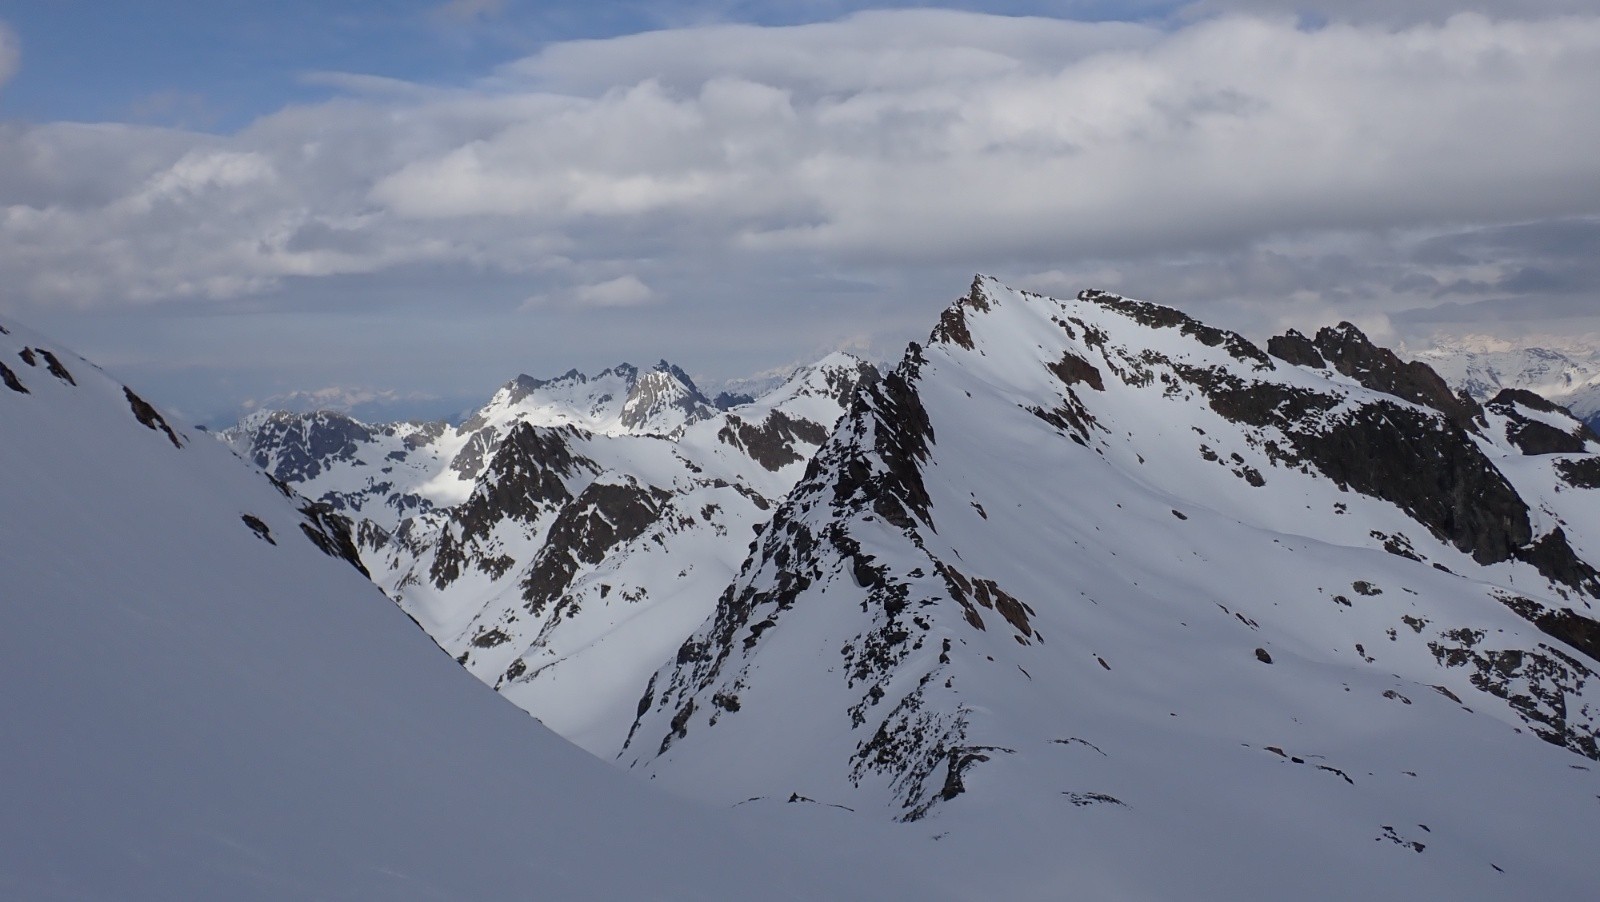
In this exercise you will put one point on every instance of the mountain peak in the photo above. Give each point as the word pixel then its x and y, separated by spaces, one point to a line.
pixel 1070 548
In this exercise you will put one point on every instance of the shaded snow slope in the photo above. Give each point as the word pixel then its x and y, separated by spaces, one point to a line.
pixel 204 701
pixel 1104 599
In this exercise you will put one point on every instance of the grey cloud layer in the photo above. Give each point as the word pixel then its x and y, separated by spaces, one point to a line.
pixel 1234 157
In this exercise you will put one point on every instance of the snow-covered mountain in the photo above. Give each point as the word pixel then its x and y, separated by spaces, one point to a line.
pixel 620 400
pixel 1084 597
pixel 562 564
pixel 1483 367
pixel 206 700
pixel 1113 603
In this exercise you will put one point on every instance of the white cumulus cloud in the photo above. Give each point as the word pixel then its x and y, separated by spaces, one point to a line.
pixel 1225 155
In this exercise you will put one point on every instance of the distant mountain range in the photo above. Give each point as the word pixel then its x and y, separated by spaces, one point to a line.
pixel 563 540
pixel 1482 369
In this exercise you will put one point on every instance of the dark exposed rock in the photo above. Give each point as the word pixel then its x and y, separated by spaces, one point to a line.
pixel 1354 355
pixel 1390 834
pixel 147 415
pixel 1292 347
pixel 490 638
pixel 985 593
pixel 1583 473
pixel 516 669
pixel 680 725
pixel 1262 656
pixel 952 328
pixel 524 480
pixel 1535 683
pixel 331 533
pixel 901 436
pixel 1529 400
pixel 1159 317
pixel 1554 556
pixel 298 447
pixel 603 516
pixel 959 761
pixel 1427 466
pixel 258 527
pixel 55 367
pixel 1576 630
pixel 1073 370
pixel 771 443
pixel 1537 436
pixel 729 400
pixel 471 459
pixel 1084 799
pixel 11 381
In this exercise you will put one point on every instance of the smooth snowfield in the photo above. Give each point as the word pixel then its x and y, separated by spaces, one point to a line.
pixel 194 712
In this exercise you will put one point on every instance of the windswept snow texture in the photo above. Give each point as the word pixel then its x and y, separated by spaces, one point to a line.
pixel 204 701
pixel 558 556
pixel 1114 604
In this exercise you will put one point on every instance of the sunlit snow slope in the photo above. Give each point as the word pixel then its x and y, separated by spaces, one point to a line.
pixel 204 701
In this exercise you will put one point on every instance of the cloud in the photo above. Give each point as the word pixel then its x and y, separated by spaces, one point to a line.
pixel 801 173
pixel 1391 13
pixel 903 137
pixel 623 291
pixel 333 397
pixel 10 53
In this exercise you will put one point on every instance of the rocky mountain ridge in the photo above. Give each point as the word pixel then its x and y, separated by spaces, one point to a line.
pixel 1097 567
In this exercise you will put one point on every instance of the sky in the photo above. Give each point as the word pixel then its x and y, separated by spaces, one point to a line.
pixel 234 204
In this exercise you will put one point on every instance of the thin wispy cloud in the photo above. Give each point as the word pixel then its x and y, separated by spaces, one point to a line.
pixel 623 291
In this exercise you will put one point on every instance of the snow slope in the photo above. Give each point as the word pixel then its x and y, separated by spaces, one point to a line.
pixel 204 700
pixel 1099 600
